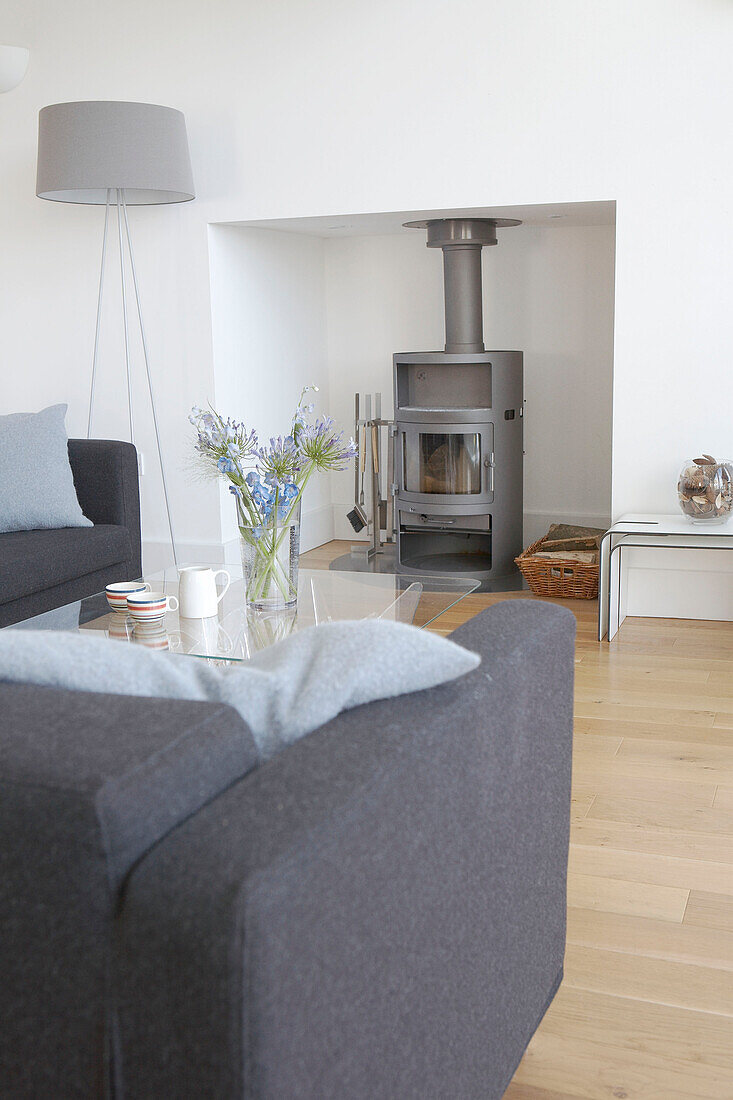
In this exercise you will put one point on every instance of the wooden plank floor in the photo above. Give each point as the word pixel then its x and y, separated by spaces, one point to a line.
pixel 646 1007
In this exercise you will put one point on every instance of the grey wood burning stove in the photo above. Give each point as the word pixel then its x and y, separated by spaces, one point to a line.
pixel 457 429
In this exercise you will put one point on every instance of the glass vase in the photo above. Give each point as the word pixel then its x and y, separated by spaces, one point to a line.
pixel 705 490
pixel 270 558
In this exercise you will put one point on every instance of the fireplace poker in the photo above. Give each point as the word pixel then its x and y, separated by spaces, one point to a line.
pixel 375 463
pixel 357 517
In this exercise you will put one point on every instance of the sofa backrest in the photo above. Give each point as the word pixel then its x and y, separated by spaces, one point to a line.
pixel 107 486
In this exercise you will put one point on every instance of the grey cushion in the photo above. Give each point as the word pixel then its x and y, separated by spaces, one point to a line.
pixel 35 560
pixel 283 692
pixel 36 482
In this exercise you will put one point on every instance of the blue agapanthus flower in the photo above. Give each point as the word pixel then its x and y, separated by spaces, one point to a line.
pixel 266 494
pixel 226 443
pixel 270 491
pixel 279 463
pixel 323 445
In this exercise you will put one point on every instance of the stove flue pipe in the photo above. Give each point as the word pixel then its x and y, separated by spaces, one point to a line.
pixel 461 240
pixel 464 317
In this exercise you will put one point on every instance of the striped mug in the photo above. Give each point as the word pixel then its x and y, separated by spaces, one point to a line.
pixel 147 606
pixel 118 592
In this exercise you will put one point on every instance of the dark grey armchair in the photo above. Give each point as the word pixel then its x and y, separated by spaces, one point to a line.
pixel 378 913
pixel 41 570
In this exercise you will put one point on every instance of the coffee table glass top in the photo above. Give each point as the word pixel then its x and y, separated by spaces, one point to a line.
pixel 234 635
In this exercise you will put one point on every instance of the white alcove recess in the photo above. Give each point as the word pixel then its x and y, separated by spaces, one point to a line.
pixel 330 299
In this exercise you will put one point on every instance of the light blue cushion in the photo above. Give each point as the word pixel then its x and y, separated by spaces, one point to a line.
pixel 282 693
pixel 36 482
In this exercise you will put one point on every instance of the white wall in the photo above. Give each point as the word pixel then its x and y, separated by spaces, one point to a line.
pixel 547 292
pixel 550 293
pixel 298 108
pixel 269 328
pixel 382 297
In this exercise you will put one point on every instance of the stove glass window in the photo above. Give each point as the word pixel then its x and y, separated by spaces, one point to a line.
pixel 442 462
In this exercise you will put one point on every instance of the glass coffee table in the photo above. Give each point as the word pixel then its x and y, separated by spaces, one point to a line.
pixel 234 634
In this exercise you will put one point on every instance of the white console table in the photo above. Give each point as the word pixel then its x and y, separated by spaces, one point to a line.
pixel 673 532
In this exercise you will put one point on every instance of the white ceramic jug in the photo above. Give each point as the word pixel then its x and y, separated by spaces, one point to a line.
pixel 197 593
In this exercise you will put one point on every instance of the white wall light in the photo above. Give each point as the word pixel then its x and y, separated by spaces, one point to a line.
pixel 13 64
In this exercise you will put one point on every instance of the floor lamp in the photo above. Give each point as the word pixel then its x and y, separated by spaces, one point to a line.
pixel 114 154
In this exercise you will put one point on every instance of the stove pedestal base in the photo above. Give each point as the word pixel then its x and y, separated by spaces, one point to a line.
pixel 431 565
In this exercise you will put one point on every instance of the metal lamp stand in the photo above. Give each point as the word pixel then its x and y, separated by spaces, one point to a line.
pixel 125 245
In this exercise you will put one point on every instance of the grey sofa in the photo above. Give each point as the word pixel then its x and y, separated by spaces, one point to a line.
pixel 41 570
pixel 378 913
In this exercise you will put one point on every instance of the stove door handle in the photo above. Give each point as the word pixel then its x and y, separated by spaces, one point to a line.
pixel 490 463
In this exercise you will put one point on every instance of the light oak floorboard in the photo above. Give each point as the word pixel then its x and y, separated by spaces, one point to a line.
pixel 691 766
pixel 633 935
pixel 644 869
pixel 602 1071
pixel 619 779
pixel 678 760
pixel 709 652
pixel 587 706
pixel 636 672
pixel 721 681
pixel 690 700
pixel 702 988
pixel 621 645
pixel 696 683
pixel 710 911
pixel 517 1091
pixel 724 720
pixel 613 895
pixel 604 746
pixel 579 806
pixel 697 1037
pixel 704 735
pixel 646 1010
pixel 723 798
pixel 697 629
pixel 631 837
pixel 606 656
pixel 662 814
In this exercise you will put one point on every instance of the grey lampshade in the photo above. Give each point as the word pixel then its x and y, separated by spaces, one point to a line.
pixel 85 148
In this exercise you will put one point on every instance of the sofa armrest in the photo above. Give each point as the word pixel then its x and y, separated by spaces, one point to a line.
pixel 380 910
pixel 88 783
pixel 106 480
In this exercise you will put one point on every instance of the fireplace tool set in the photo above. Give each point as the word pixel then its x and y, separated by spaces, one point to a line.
pixel 378 518
pixel 452 498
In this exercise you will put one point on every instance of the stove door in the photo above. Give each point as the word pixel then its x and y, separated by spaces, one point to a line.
pixel 446 465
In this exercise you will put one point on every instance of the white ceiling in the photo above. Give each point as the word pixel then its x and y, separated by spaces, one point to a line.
pixel 558 215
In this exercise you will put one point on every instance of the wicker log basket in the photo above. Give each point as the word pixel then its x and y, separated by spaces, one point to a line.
pixel 563 578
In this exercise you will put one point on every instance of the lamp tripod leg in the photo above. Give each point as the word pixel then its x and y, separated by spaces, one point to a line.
pixel 120 200
pixel 99 316
pixel 148 375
